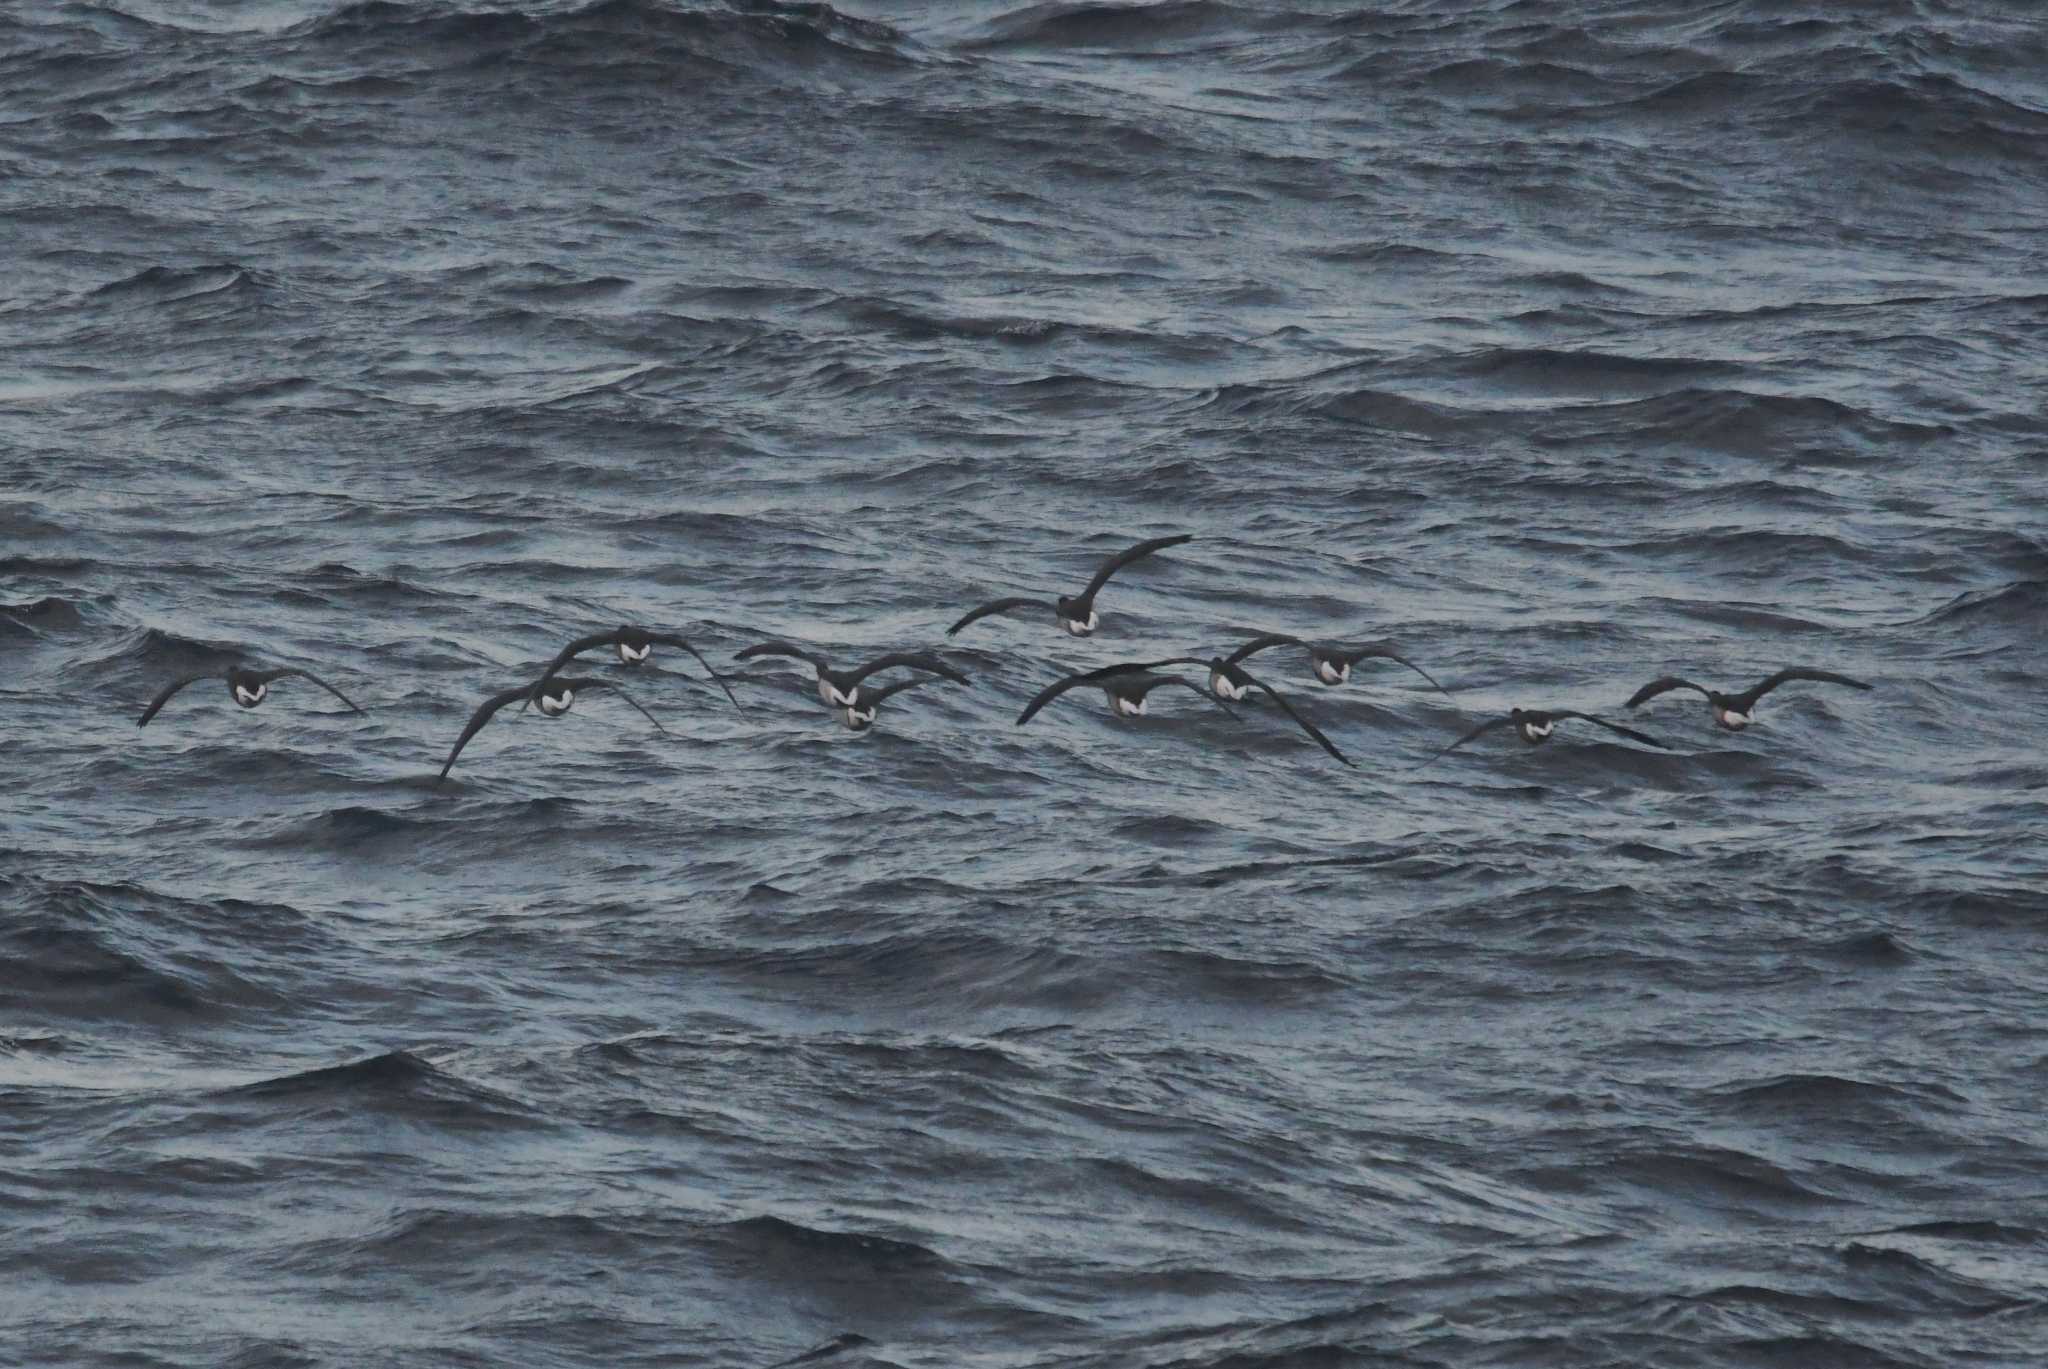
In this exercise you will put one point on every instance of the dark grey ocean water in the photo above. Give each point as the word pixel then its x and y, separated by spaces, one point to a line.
pixel 1563 344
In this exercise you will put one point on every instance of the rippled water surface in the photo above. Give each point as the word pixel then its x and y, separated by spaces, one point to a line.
pixel 1562 345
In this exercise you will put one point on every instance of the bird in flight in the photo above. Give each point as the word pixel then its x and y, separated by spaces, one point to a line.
pixel 1534 726
pixel 246 687
pixel 1075 613
pixel 1737 711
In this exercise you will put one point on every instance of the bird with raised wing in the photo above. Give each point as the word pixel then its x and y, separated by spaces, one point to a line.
pixel 1075 613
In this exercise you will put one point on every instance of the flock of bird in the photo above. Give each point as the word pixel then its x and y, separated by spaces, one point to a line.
pixel 1126 685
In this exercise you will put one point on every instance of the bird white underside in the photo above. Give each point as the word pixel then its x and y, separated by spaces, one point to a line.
pixel 1531 732
pixel 249 698
pixel 1332 672
pixel 1081 627
pixel 632 657
pixel 1732 720
pixel 830 693
pixel 1127 707
pixel 1225 689
pixel 859 719
pixel 555 705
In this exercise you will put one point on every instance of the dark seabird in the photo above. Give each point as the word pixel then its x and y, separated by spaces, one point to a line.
pixel 553 697
pixel 634 645
pixel 1534 726
pixel 1234 684
pixel 841 688
pixel 1737 711
pixel 1077 614
pixel 860 715
pixel 1332 661
pixel 246 687
pixel 1126 686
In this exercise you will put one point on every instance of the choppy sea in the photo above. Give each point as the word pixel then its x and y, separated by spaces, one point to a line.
pixel 1562 345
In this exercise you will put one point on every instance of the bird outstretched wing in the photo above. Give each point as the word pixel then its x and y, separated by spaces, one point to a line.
pixel 164 696
pixel 994 606
pixel 1125 557
pixel 267 676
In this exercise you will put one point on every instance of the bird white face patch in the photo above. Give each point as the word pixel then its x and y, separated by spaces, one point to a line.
pixel 833 696
pixel 1536 732
pixel 1126 706
pixel 1224 688
pixel 1332 672
pixel 249 698
pixel 633 656
pixel 860 719
pixel 1081 627
pixel 555 705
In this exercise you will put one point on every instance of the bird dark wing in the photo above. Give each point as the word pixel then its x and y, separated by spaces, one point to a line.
pixel 1628 732
pixel 578 647
pixel 1125 557
pixel 568 654
pixel 1801 673
pixel 1288 709
pixel 1384 653
pixel 1059 687
pixel 1258 644
pixel 1000 606
pixel 266 676
pixel 480 717
pixel 1188 684
pixel 908 660
pixel 781 649
pixel 596 683
pixel 669 639
pixel 165 697
pixel 1478 731
pixel 1662 685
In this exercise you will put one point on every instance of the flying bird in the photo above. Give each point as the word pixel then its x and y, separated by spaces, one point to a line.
pixel 1737 711
pixel 1126 686
pixel 553 697
pixel 841 688
pixel 1076 613
pixel 634 645
pixel 246 687
pixel 860 716
pixel 1234 684
pixel 1534 726
pixel 1331 661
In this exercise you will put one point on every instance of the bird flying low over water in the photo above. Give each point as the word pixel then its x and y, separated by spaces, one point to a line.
pixel 1077 613
pixel 1233 683
pixel 246 687
pixel 1125 685
pixel 860 715
pixel 1534 726
pixel 1737 711
pixel 841 688
pixel 1331 661
pixel 553 697
pixel 634 645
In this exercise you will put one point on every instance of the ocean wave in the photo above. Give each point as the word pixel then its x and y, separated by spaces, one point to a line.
pixel 626 40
